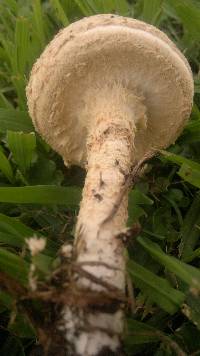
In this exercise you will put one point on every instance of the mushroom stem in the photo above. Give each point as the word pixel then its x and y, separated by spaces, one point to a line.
pixel 99 250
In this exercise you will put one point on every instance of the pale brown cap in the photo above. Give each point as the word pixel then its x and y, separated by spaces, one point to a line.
pixel 108 49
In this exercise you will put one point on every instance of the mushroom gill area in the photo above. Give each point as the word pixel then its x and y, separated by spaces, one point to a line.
pixel 110 104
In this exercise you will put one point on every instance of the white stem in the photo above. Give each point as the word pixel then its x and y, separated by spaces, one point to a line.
pixel 103 214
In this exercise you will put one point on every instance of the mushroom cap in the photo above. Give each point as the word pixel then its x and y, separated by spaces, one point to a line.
pixel 108 49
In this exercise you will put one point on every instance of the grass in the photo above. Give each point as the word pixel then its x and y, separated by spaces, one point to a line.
pixel 40 197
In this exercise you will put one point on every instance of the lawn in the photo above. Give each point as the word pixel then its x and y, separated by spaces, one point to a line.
pixel 39 195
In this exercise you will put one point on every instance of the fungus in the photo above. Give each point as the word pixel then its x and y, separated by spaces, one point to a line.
pixel 105 93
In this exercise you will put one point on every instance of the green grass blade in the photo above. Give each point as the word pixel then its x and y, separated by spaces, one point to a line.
pixel 190 175
pixel 140 333
pixel 192 256
pixel 197 86
pixel 5 103
pixel 157 288
pixel 189 14
pixel 14 266
pixel 14 226
pixel 19 83
pixel 38 22
pixel 192 133
pixel 91 7
pixel 191 307
pixel 15 120
pixel 180 160
pixel 22 328
pixel 135 201
pixel 84 7
pixel 23 147
pixel 8 53
pixel 5 167
pixel 121 7
pixel 60 13
pixel 14 233
pixel 189 171
pixel 40 194
pixel 11 240
pixel 151 11
pixel 22 44
pixel 12 5
pixel 186 273
pixel 190 231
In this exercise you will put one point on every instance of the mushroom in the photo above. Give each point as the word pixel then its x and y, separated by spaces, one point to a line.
pixel 105 93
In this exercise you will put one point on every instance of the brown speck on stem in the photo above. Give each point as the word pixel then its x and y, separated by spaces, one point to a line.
pixel 101 182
